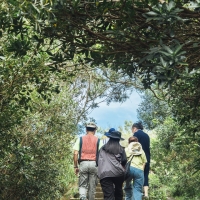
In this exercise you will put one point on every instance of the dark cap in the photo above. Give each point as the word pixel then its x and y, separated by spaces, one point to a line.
pixel 110 130
pixel 115 135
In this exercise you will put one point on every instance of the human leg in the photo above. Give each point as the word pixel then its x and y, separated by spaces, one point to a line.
pixel 83 179
pixel 138 183
pixel 146 191
pixel 107 188
pixel 92 180
pixel 118 183
pixel 128 188
pixel 146 179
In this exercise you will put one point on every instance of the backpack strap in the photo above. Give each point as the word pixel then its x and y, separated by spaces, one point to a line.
pixel 97 152
pixel 131 159
pixel 97 146
pixel 80 149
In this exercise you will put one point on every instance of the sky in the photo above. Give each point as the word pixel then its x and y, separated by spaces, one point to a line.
pixel 115 114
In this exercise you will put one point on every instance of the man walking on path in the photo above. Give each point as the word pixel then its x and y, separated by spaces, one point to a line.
pixel 144 140
pixel 85 153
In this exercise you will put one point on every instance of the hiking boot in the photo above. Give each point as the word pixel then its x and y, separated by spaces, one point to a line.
pixel 145 197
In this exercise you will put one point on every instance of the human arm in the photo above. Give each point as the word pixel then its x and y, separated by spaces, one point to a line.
pixel 144 159
pixel 97 158
pixel 76 162
pixel 75 157
pixel 144 166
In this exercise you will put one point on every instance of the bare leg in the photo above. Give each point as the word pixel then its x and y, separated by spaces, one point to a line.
pixel 146 188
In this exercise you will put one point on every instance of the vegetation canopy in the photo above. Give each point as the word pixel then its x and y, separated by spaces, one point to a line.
pixel 58 56
pixel 157 42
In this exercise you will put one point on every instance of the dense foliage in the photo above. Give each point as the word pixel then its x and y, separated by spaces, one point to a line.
pixel 56 58
pixel 173 158
pixel 174 150
pixel 157 43
pixel 41 110
pixel 152 111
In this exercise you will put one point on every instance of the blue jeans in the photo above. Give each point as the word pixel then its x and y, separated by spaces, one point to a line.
pixel 134 185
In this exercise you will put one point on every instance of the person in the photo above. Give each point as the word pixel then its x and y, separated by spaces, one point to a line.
pixel 111 162
pixel 134 184
pixel 144 140
pixel 85 153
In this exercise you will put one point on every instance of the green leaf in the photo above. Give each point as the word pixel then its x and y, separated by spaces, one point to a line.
pixel 178 49
pixel 195 45
pixel 183 63
pixel 165 53
pixel 172 33
pixel 168 49
pixel 171 5
pixel 35 7
pixel 151 13
pixel 163 62
pixel 2 58
pixel 181 53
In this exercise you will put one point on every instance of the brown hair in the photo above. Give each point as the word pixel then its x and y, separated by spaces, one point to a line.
pixel 132 139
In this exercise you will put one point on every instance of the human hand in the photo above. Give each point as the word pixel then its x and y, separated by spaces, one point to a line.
pixel 76 170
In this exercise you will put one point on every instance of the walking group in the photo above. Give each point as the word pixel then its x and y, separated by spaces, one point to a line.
pixel 104 161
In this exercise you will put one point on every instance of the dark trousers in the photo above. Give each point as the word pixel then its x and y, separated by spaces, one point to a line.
pixel 112 188
pixel 146 174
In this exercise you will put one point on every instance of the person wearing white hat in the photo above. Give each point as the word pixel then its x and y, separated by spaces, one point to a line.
pixel 134 184
pixel 85 153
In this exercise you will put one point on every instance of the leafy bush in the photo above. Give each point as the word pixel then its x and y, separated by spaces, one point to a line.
pixel 173 157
